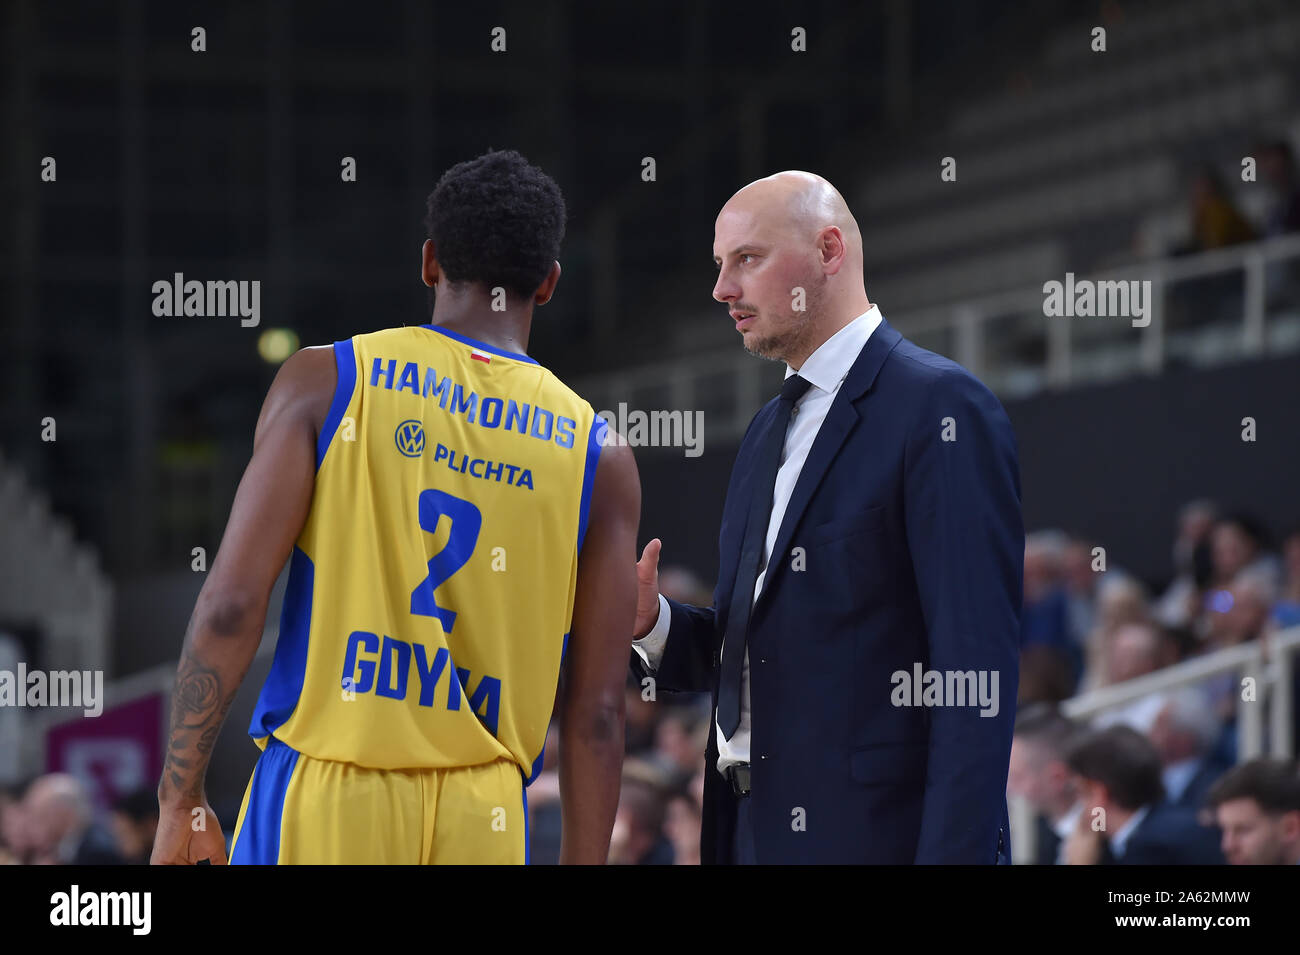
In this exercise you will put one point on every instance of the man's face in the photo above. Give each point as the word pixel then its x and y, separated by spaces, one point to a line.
pixel 758 270
pixel 1232 550
pixel 1250 835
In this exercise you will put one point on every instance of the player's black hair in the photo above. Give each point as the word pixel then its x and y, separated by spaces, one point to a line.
pixel 497 221
pixel 1273 783
pixel 1123 760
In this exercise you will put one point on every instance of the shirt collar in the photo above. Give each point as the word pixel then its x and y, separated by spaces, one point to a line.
pixel 1120 842
pixel 826 367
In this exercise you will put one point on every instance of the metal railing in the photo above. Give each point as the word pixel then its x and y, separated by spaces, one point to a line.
pixel 729 385
pixel 1270 662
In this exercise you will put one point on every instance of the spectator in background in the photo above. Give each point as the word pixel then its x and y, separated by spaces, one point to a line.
pixel 1215 219
pixel 1278 172
pixel 1120 600
pixel 1038 774
pixel 1045 619
pixel 1238 614
pixel 1118 776
pixel 1180 603
pixel 638 837
pixel 1233 617
pixel 15 843
pixel 1238 544
pixel 1045 676
pixel 1081 582
pixel 134 822
pixel 1286 610
pixel 1184 734
pixel 1134 650
pixel 643 709
pixel 63 831
pixel 1215 222
pixel 676 743
pixel 1257 806
pixel 682 820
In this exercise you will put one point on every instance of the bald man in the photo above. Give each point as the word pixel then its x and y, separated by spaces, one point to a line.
pixel 862 646
pixel 61 824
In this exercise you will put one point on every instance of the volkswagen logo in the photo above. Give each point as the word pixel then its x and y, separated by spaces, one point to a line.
pixel 410 438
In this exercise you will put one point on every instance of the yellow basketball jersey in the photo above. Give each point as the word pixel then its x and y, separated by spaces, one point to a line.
pixel 431 590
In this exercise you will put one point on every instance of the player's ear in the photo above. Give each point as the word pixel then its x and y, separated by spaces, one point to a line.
pixel 429 269
pixel 547 288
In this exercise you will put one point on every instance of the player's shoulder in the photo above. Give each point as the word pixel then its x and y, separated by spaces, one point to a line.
pixel 921 368
pixel 306 380
pixel 559 388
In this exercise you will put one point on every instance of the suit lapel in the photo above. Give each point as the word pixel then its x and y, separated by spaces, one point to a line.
pixel 840 422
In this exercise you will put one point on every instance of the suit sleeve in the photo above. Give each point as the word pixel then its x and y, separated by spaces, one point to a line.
pixel 965 533
pixel 688 657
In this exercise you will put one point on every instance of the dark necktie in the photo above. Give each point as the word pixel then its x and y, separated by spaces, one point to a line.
pixel 767 461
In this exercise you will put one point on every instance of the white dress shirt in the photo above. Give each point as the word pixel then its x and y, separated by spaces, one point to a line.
pixel 825 370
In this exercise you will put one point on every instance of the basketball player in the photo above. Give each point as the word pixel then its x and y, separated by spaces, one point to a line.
pixel 455 530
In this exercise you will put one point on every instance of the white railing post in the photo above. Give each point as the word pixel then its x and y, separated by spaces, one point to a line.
pixel 1283 649
pixel 1153 337
pixel 1250 716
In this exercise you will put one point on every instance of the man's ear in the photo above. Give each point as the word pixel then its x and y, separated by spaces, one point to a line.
pixel 1291 825
pixel 429 270
pixel 547 288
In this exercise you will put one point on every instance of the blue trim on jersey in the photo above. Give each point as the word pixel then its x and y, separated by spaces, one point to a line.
pixel 536 769
pixel 259 836
pixel 284 682
pixel 595 440
pixel 346 361
pixel 466 340
pixel 528 850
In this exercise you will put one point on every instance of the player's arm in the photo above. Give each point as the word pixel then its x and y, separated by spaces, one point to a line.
pixel 591 721
pixel 226 626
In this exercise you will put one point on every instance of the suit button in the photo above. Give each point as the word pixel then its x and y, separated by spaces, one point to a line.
pixel 762 757
pixel 762 659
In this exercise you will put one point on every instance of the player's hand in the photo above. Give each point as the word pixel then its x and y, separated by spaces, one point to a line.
pixel 647 589
pixel 187 837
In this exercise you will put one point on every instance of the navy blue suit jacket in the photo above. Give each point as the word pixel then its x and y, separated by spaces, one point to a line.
pixel 912 552
pixel 1170 835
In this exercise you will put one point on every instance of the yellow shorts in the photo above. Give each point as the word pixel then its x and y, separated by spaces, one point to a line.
pixel 300 810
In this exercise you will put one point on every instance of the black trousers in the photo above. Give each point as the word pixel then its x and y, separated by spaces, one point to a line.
pixel 742 835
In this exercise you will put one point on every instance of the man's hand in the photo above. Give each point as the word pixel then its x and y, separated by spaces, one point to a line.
pixel 647 589
pixel 180 841
pixel 1083 846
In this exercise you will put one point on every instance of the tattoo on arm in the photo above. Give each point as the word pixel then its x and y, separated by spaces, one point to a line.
pixel 199 707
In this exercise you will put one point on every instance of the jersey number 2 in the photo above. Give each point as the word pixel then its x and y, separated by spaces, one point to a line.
pixel 466 522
